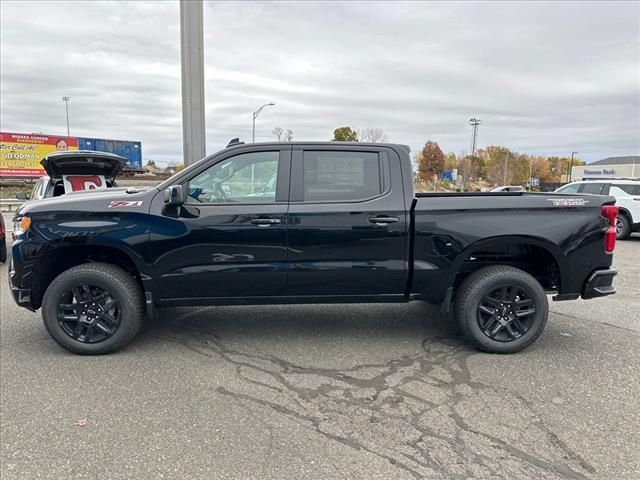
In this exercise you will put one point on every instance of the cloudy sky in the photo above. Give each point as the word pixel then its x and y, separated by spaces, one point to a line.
pixel 544 78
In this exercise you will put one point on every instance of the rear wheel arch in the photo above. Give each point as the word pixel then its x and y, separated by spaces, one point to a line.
pixel 540 258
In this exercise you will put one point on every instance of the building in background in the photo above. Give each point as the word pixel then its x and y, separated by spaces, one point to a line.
pixel 610 167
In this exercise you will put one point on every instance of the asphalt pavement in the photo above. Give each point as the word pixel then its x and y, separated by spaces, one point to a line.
pixel 327 392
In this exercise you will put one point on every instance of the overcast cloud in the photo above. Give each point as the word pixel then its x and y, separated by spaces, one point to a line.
pixel 545 78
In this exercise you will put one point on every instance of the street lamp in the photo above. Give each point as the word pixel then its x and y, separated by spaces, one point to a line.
pixel 66 105
pixel 571 164
pixel 255 115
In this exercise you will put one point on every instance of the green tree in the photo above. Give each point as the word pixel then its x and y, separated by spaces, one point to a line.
pixel 345 134
pixel 430 161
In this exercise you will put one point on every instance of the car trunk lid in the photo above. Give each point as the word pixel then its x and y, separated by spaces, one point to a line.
pixel 83 162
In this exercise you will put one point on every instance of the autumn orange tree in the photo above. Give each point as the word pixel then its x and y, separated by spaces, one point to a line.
pixel 430 161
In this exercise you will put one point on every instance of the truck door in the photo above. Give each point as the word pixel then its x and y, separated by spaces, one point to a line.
pixel 229 239
pixel 348 228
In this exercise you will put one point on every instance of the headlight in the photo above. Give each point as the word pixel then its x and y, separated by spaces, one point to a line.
pixel 21 225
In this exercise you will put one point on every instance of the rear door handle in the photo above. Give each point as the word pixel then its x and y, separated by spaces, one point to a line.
pixel 383 220
pixel 265 222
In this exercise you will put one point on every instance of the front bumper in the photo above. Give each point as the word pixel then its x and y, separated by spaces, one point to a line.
pixel 599 284
pixel 22 296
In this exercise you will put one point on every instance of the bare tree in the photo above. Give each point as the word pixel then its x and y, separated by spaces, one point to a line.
pixel 278 133
pixel 288 135
pixel 372 135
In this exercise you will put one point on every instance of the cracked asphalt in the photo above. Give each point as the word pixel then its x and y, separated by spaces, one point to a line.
pixel 328 392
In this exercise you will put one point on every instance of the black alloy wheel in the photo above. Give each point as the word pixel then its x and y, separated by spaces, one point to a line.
pixel 93 308
pixel 501 309
pixel 506 313
pixel 89 314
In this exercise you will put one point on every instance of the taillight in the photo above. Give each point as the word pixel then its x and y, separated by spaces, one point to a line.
pixel 610 212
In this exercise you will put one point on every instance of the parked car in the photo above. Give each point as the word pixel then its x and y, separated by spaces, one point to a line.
pixel 3 241
pixel 75 170
pixel 508 188
pixel 626 193
pixel 342 225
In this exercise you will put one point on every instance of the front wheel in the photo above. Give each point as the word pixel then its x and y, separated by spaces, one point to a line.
pixel 93 308
pixel 501 309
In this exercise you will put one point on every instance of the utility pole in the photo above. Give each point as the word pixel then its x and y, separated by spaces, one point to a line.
pixel 474 122
pixel 571 164
pixel 530 172
pixel 504 174
pixel 255 115
pixel 192 59
pixel 66 105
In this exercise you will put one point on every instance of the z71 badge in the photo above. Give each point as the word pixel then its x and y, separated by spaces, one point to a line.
pixel 125 204
pixel 568 202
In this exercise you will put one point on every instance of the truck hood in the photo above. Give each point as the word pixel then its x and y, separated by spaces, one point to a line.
pixel 83 162
pixel 93 201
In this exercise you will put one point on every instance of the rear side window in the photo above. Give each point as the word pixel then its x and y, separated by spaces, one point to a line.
pixel 629 189
pixel 331 176
pixel 593 188
pixel 571 188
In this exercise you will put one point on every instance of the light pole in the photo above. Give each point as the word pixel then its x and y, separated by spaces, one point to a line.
pixel 571 164
pixel 474 122
pixel 255 115
pixel 66 105
pixel 194 145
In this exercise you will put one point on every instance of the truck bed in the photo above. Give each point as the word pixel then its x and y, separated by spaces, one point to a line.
pixel 455 231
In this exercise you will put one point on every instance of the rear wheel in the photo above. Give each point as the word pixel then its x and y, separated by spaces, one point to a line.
pixel 93 308
pixel 623 227
pixel 501 309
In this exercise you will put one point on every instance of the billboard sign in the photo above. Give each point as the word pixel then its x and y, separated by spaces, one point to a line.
pixel 20 153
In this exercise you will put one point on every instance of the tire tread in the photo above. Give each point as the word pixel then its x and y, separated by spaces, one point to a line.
pixel 470 286
pixel 110 273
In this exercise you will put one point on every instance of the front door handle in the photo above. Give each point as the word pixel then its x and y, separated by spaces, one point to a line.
pixel 383 220
pixel 265 222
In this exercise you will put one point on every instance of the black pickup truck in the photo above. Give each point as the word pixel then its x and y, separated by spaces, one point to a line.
pixel 307 223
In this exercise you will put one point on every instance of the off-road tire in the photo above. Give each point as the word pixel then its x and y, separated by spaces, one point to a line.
pixel 122 287
pixel 481 283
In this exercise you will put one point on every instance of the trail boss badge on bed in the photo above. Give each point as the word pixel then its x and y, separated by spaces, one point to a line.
pixel 568 202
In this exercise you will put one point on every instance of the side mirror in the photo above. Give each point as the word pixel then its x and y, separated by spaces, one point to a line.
pixel 22 196
pixel 174 195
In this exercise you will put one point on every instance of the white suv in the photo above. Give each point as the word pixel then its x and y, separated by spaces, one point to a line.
pixel 627 194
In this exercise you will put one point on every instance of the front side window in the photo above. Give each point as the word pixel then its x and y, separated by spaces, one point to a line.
pixel 331 176
pixel 244 179
pixel 36 190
